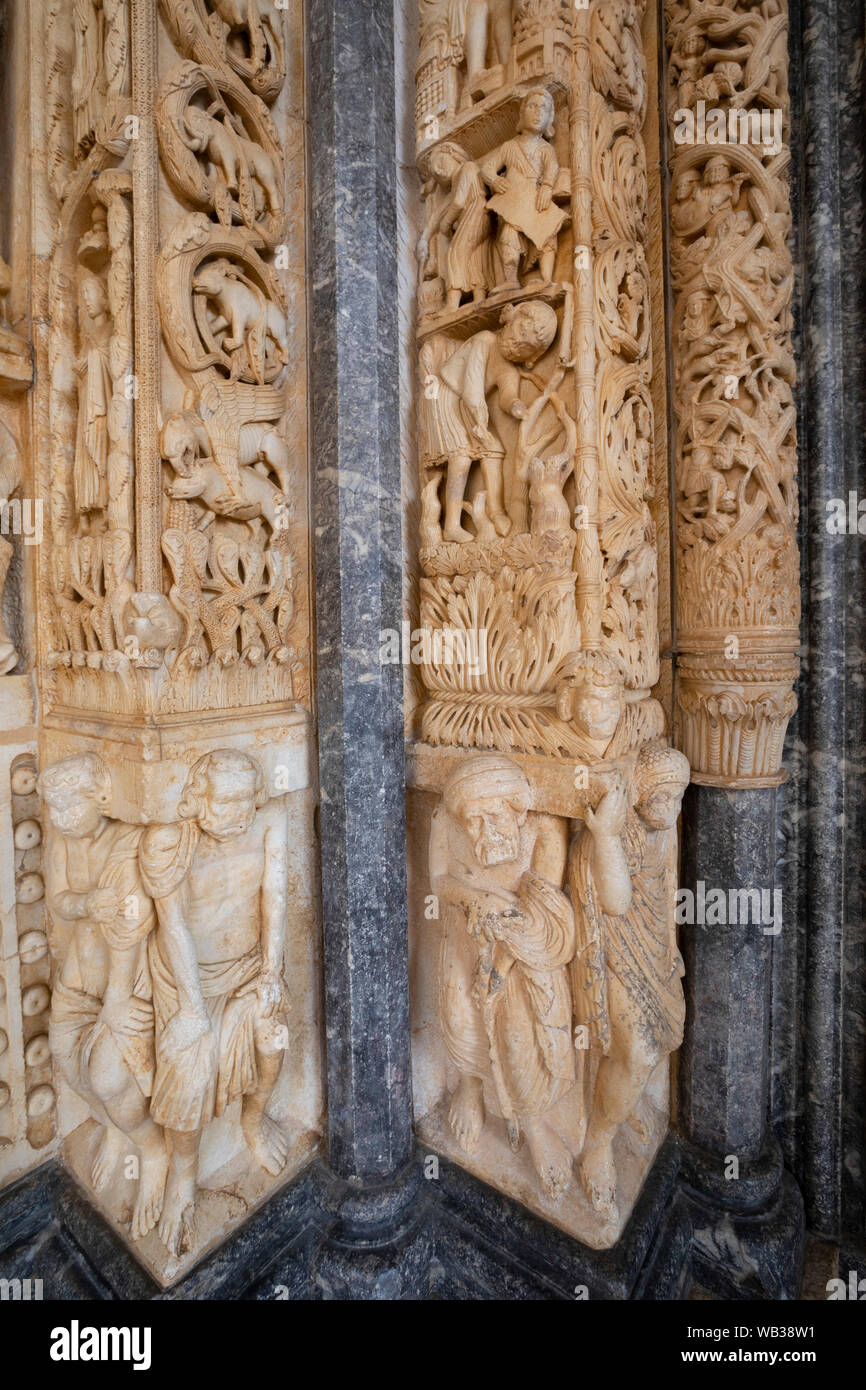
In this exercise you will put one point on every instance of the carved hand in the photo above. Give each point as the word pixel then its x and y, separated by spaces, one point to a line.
pixel 182 1031
pixel 103 904
pixel 499 184
pixel 608 818
pixel 125 1015
pixel 544 197
pixel 270 993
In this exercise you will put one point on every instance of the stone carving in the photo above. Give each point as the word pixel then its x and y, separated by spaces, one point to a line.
pixel 11 478
pixel 462 263
pixel 241 34
pixel 102 1018
pixel 470 50
pixel 169 999
pixel 219 146
pixel 221 303
pixel 491 221
pixel 28 1111
pixel 456 416
pixel 525 962
pixel 627 970
pixel 472 36
pixel 168 433
pixel 540 499
pixel 218 881
pixel 738 568
pixel 102 63
pixel 523 174
pixel 16 371
pixel 505 1003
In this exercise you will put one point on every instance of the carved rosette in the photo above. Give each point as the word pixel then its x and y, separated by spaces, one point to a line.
pixel 738 599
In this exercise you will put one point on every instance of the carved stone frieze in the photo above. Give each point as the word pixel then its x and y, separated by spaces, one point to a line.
pixel 550 794
pixel 736 455
pixel 174 616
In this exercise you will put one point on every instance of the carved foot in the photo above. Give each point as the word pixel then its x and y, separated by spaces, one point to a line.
pixel 457 533
pixel 641 1121
pixel 151 1192
pixel 598 1175
pixel 267 1143
pixel 466 1115
pixel 553 1161
pixel 175 1226
pixel 502 524
pixel 112 1146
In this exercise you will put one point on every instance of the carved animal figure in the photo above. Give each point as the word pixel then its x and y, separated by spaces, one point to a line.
pixel 259 497
pixel 248 320
pixel 550 511
pixel 233 155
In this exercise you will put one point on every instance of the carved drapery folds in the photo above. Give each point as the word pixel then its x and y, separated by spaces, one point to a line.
pixel 174 621
pixel 552 840
pixel 736 497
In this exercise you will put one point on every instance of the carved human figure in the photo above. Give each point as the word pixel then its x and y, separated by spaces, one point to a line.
pixel 218 878
pixel 102 1028
pixel 245 321
pixel 504 994
pixel 456 420
pixel 627 970
pixel 95 389
pixel 591 693
pixel 480 26
pixel 523 174
pixel 465 264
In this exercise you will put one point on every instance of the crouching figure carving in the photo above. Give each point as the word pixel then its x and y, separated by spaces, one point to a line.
pixel 504 993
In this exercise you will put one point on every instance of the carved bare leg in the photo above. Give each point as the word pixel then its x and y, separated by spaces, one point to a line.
pixel 455 488
pixel 475 43
pixel 598 1170
pixel 546 266
pixel 152 1179
pixel 466 1115
pixel 113 1144
pixel 175 1226
pixel 265 1139
pixel 501 13
pixel 491 469
pixel 552 1159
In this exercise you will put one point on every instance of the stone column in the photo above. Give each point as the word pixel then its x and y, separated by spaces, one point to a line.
pixel 373 1252
pixel 738 609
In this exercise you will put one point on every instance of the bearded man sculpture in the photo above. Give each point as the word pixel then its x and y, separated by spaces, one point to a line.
pixel 504 992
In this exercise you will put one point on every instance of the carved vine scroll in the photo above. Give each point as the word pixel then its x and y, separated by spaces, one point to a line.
pixel 736 450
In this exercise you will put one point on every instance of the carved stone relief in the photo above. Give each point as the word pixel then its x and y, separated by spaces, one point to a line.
pixel 736 452
pixel 174 621
pixel 547 994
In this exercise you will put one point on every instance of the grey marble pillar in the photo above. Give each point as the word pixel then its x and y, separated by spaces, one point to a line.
pixel 819 1008
pixel 748 1213
pixel 354 401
